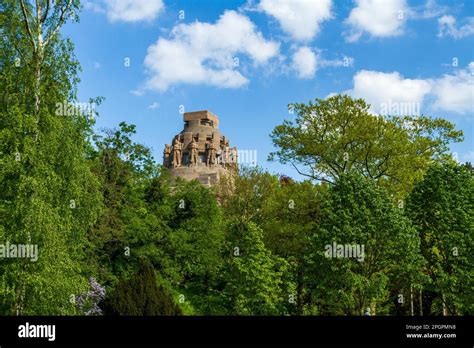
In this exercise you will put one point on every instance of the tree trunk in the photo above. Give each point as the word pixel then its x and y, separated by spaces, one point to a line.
pixel 20 294
pixel 421 301
pixel 39 58
pixel 411 301
pixel 445 311
pixel 37 85
pixel 299 292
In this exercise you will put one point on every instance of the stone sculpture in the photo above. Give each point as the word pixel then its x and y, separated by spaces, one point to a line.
pixel 193 152
pixel 211 154
pixel 166 155
pixel 177 152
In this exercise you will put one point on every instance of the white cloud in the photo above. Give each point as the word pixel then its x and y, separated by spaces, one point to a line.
pixel 127 10
pixel 379 18
pixel 137 92
pixel 391 93
pixel 300 19
pixel 447 27
pixel 205 53
pixel 154 105
pixel 93 6
pixel 305 62
pixel 383 90
pixel 430 10
pixel 455 92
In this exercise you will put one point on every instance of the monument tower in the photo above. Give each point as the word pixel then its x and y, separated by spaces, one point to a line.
pixel 200 151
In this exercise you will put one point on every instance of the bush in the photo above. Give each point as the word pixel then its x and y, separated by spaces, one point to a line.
pixel 141 295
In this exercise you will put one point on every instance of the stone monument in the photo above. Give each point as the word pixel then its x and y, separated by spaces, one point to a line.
pixel 200 151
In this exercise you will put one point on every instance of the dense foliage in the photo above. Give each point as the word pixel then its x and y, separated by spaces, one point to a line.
pixel 384 225
pixel 140 295
pixel 441 207
pixel 332 136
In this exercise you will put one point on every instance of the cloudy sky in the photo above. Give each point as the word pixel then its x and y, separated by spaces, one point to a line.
pixel 246 60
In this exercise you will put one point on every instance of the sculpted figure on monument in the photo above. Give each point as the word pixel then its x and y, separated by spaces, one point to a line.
pixel 193 153
pixel 211 154
pixel 166 155
pixel 177 152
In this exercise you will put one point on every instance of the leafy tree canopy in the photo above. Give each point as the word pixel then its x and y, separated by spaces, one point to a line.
pixel 332 136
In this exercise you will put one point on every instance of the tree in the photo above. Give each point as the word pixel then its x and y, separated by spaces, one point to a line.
pixel 42 23
pixel 285 211
pixel 442 209
pixel 332 136
pixel 124 169
pixel 254 277
pixel 362 245
pixel 194 244
pixel 50 197
pixel 243 197
pixel 291 213
pixel 141 295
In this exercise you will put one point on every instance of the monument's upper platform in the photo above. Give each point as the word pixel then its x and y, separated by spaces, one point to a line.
pixel 203 117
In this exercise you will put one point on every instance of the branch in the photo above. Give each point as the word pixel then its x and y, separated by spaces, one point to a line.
pixel 38 11
pixel 328 163
pixel 27 25
pixel 380 174
pixel 301 173
pixel 385 159
pixel 60 22
pixel 367 163
pixel 309 175
pixel 18 50
pixel 45 15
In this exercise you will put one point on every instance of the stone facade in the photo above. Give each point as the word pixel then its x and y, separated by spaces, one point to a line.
pixel 200 151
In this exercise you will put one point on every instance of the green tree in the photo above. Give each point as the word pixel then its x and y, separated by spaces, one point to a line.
pixel 140 295
pixel 243 197
pixel 195 242
pixel 441 207
pixel 50 195
pixel 358 213
pixel 41 23
pixel 291 213
pixel 124 169
pixel 254 277
pixel 332 136
pixel 285 211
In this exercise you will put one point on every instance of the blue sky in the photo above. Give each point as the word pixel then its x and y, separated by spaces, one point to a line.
pixel 246 60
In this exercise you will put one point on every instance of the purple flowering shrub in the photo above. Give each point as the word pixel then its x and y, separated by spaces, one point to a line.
pixel 88 302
